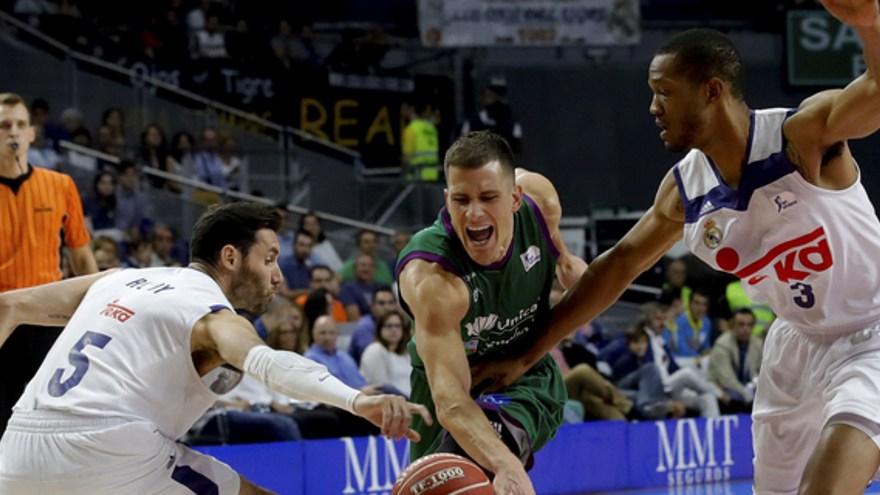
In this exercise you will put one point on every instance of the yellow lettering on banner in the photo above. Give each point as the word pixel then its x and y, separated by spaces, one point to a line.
pixel 313 126
pixel 382 123
pixel 339 122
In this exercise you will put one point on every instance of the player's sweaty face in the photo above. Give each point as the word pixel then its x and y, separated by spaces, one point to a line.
pixel 481 203
pixel 675 105
pixel 259 277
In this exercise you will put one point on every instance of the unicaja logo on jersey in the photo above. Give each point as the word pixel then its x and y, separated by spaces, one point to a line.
pixel 117 312
pixel 531 257
pixel 480 324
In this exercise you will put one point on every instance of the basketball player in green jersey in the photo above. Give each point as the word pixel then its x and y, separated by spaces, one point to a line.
pixel 477 284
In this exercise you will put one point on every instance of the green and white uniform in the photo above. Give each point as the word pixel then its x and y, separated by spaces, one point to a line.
pixel 509 308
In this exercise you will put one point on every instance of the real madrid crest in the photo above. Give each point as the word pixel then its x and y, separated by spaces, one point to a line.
pixel 712 236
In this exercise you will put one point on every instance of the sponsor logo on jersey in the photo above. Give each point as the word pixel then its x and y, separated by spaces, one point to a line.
pixel 792 260
pixel 784 200
pixel 707 208
pixel 470 346
pixel 492 321
pixel 494 399
pixel 712 236
pixel 117 312
pixel 531 257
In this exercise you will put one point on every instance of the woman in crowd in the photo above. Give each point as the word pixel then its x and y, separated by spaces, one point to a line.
pixel 386 361
pixel 100 207
pixel 154 154
pixel 323 248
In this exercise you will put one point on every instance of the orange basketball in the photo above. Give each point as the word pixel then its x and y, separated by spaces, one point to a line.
pixel 441 474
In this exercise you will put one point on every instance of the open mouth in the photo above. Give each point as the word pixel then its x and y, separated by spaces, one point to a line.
pixel 662 126
pixel 481 235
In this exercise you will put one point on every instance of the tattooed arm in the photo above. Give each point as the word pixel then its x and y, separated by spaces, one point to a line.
pixel 48 305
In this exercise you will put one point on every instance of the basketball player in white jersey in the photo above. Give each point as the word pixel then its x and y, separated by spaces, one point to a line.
pixel 773 196
pixel 144 354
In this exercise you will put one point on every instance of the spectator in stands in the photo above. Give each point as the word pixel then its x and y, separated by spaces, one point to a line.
pixel 129 202
pixel 247 416
pixel 290 334
pixel 106 252
pixel 734 298
pixel 357 294
pixel 496 115
pixel 181 154
pixel 106 144
pixel 735 361
pixel 386 360
pixel 365 329
pixel 210 43
pixel 640 379
pixel 294 43
pixel 323 248
pixel 234 172
pixel 318 303
pixel 322 277
pixel 241 44
pixel 114 120
pixel 163 245
pixel 72 120
pixel 140 253
pixel 685 384
pixel 419 145
pixel 694 327
pixel 154 154
pixel 297 268
pixel 82 137
pixel 323 350
pixel 99 208
pixel 209 167
pixel 41 154
pixel 366 245
pixel 279 309
pixel 398 242
pixel 286 236
pixel 172 37
pixel 676 279
pixel 195 19
pixel 41 116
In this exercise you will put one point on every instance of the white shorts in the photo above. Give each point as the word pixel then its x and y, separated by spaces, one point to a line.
pixel 806 383
pixel 47 452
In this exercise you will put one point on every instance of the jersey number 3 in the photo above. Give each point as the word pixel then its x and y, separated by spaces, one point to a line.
pixel 80 363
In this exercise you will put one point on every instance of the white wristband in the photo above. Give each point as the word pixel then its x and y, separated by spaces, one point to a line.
pixel 298 377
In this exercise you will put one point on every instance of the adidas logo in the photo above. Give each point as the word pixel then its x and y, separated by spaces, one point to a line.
pixel 707 207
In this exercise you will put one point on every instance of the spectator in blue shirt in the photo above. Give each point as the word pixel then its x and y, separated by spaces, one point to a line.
pixel 209 166
pixel 297 268
pixel 357 294
pixel 338 363
pixel 365 329
pixel 694 327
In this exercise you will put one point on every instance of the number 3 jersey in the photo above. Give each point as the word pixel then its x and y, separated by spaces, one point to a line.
pixel 813 254
pixel 126 352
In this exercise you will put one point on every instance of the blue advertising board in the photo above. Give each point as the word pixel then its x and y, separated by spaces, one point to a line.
pixel 588 457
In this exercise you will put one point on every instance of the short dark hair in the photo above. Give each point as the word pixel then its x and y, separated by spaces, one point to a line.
pixel 635 334
pixel 475 149
pixel 39 104
pixel 234 223
pixel 382 289
pixel 702 54
pixel 362 233
pixel 124 165
pixel 744 311
pixel 701 291
pixel 305 233
pixel 302 221
pixel 316 307
pixel 320 267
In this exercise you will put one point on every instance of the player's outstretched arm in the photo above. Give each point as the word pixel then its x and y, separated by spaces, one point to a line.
pixel 439 300
pixel 48 305
pixel 569 268
pixel 834 116
pixel 601 284
pixel 295 376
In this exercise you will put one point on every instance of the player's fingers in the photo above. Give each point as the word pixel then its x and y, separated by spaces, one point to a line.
pixel 413 436
pixel 421 411
pixel 387 417
pixel 404 418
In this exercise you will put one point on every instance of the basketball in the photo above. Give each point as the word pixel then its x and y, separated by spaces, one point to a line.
pixel 441 474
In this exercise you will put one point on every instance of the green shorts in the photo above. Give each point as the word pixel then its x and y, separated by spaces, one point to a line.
pixel 535 401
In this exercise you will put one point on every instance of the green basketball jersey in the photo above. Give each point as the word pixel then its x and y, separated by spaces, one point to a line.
pixel 510 300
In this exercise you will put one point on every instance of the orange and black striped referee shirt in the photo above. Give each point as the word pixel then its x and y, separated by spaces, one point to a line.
pixel 36 209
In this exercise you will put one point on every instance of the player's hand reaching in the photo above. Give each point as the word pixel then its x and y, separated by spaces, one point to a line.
pixel 853 12
pixel 392 413
pixel 490 377
pixel 513 481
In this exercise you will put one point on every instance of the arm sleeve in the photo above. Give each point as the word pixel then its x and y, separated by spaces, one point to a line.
pixel 298 378
pixel 75 233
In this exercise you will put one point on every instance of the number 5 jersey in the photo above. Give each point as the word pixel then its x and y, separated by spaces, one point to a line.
pixel 812 254
pixel 126 352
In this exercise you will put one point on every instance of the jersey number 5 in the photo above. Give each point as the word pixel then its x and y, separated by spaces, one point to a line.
pixel 80 363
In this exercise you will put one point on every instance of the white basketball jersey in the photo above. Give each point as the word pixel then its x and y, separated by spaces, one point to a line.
pixel 812 254
pixel 126 352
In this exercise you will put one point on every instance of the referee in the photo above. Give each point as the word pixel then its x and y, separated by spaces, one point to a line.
pixel 38 208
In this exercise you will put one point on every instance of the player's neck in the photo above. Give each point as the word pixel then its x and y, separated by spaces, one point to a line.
pixel 729 143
